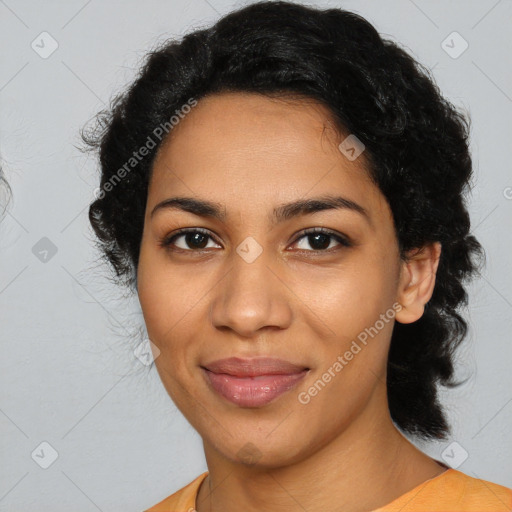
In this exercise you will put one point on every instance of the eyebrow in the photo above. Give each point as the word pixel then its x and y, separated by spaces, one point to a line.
pixel 204 208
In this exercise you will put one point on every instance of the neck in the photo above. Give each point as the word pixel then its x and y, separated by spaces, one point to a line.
pixel 365 467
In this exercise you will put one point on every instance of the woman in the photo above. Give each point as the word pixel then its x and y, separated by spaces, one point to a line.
pixel 286 193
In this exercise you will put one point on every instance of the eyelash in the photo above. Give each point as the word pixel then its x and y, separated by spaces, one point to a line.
pixel 168 241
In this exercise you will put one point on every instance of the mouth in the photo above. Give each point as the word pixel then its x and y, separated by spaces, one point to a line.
pixel 252 382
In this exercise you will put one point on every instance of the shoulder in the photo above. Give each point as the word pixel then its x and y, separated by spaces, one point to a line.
pixel 183 500
pixel 481 495
pixel 454 491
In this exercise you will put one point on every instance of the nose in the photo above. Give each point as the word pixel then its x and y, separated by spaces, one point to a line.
pixel 251 297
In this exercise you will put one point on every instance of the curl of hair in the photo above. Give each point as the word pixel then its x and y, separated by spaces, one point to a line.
pixel 5 194
pixel 417 152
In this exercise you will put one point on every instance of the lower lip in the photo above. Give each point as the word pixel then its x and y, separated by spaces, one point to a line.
pixel 252 391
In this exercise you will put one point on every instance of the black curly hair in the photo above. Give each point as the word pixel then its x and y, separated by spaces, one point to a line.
pixel 417 151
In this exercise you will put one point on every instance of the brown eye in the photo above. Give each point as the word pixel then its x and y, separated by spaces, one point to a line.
pixel 320 240
pixel 188 240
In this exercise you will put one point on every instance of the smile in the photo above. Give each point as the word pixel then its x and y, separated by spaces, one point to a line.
pixel 252 382
pixel 254 391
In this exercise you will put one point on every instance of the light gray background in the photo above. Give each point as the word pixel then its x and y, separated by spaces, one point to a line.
pixel 68 375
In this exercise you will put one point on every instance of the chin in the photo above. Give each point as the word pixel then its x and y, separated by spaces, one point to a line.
pixel 260 452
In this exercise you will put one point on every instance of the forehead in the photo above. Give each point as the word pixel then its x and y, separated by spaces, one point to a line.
pixel 243 145
pixel 258 121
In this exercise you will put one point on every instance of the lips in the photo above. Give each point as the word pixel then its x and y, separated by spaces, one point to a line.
pixel 239 367
pixel 252 382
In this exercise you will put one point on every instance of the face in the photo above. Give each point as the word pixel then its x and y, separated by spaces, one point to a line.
pixel 251 278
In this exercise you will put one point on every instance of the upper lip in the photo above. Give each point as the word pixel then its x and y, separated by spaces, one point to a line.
pixel 242 367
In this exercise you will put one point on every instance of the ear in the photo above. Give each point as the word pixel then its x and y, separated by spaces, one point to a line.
pixel 417 280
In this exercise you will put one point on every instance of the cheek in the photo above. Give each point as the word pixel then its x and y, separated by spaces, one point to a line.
pixel 350 299
pixel 153 298
pixel 349 296
pixel 164 295
pixel 171 303
pixel 165 315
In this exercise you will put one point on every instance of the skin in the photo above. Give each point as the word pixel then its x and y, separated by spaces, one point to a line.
pixel 250 154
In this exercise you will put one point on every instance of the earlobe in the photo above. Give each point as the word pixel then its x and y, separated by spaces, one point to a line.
pixel 417 281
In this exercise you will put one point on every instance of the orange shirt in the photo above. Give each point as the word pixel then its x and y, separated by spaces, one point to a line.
pixel 451 491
